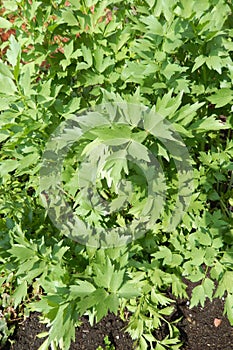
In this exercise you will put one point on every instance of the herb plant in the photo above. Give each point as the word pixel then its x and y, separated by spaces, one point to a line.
pixel 59 58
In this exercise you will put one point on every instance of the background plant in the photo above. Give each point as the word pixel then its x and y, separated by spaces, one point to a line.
pixel 108 344
pixel 58 58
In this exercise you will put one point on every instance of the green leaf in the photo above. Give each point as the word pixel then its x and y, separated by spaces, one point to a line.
pixel 20 293
pixel 178 287
pixel 129 290
pixel 69 18
pixel 73 106
pixel 228 307
pixel 165 254
pixel 153 25
pixel 221 97
pixel 95 298
pixel 167 105
pixel 133 72
pixel 214 62
pixel 68 50
pixel 225 284
pixel 5 70
pixel 101 62
pixel 7 166
pixel 104 274
pixel 82 289
pixel 25 82
pixel 10 5
pixel 198 296
pixel 7 86
pixel 208 286
pixel 21 252
pixel 143 344
pixel 159 347
pixel 112 303
pixel 116 280
pixel 208 124
pixel 4 23
pixel 151 3
pixel 199 61
pixel 27 161
pixel 115 164
pixel 186 113
pixel 4 134
pixel 170 69
pixel 13 54
pixel 120 132
pixel 198 256
pixel 87 55
pixel 204 238
pixel 163 152
pixel 102 308
pixel 138 151
pixel 166 310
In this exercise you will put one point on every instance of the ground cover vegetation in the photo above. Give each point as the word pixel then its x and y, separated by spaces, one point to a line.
pixel 58 58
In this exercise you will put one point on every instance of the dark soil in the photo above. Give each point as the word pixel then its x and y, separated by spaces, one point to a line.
pixel 206 328
pixel 87 337
pixel 200 328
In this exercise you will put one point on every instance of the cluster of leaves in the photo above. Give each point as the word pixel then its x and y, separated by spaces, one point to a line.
pixel 58 58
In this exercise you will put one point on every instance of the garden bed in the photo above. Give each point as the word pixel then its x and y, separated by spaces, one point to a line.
pixel 116 132
pixel 200 329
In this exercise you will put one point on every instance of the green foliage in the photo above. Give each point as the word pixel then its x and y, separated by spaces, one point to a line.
pixel 108 345
pixel 59 58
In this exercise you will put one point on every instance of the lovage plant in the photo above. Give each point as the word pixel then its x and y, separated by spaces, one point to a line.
pixel 116 161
